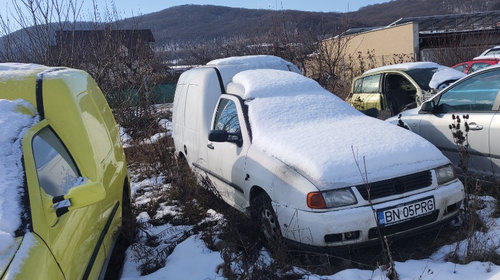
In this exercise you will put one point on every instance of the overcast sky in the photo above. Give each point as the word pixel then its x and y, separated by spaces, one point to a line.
pixel 127 8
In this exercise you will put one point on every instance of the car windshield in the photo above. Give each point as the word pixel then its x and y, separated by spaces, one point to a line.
pixel 422 76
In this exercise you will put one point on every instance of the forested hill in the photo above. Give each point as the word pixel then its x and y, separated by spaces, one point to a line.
pixel 200 23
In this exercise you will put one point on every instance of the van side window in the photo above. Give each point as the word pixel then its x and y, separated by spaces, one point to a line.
pixel 55 168
pixel 226 117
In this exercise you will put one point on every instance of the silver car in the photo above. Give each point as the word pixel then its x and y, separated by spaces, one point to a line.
pixel 477 95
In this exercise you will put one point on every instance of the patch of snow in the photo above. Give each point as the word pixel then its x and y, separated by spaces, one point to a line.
pixel 405 66
pixel 350 274
pixel 292 117
pixel 14 66
pixel 155 138
pixel 13 125
pixel 143 217
pixel 487 57
pixel 167 125
pixel 167 210
pixel 152 181
pixel 190 259
pixel 126 139
pixel 17 71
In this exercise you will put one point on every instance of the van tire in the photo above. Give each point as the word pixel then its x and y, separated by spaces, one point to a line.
pixel 266 219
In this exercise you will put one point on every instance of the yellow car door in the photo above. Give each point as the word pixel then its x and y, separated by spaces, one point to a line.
pixel 72 235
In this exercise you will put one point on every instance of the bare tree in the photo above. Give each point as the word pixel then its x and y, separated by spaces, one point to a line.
pixel 53 32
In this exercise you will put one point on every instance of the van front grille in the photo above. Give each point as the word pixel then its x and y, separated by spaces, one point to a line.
pixel 397 185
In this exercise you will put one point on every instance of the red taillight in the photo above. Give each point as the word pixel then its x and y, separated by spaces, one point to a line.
pixel 315 200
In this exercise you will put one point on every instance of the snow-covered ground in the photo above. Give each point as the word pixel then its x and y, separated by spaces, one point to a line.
pixel 191 259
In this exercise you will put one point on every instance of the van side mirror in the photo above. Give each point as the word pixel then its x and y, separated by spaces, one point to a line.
pixel 224 136
pixel 80 196
pixel 427 107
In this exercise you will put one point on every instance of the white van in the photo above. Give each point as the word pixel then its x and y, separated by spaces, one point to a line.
pixel 310 167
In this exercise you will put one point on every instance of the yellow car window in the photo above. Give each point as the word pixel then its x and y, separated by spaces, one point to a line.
pixel 55 168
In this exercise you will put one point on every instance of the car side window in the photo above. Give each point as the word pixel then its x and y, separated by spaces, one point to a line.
pixel 358 85
pixel 368 84
pixel 461 67
pixel 477 66
pixel 371 84
pixel 226 117
pixel 55 168
pixel 472 95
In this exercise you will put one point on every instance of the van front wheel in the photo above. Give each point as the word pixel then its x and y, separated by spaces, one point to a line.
pixel 268 222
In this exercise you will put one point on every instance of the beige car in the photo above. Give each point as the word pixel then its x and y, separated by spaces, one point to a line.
pixel 385 91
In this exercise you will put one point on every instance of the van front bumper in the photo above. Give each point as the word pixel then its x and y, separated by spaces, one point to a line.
pixel 357 226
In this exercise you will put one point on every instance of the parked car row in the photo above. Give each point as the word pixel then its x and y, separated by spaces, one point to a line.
pixel 478 96
pixel 487 58
pixel 385 91
pixel 475 96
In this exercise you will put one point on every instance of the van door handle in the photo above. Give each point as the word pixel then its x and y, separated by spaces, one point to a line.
pixel 475 126
pixel 210 146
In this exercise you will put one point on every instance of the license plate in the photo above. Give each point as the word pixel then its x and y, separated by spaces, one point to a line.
pixel 406 211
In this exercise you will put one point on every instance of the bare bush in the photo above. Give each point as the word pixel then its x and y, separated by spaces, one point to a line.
pixel 56 33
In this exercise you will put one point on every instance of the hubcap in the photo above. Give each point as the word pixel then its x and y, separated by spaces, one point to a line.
pixel 269 225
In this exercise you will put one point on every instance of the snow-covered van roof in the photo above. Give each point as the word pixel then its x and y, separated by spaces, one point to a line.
pixel 297 121
pixel 442 74
pixel 14 121
pixel 256 62
pixel 230 66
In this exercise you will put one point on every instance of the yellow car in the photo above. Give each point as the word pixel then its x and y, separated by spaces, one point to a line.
pixel 64 186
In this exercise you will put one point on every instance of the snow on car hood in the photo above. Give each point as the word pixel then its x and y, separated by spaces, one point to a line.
pixel 295 120
pixel 13 125
pixel 444 74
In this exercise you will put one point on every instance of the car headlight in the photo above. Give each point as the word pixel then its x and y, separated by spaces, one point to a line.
pixel 331 199
pixel 445 174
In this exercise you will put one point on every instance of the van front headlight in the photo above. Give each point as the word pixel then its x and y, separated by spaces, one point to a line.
pixel 331 199
pixel 445 174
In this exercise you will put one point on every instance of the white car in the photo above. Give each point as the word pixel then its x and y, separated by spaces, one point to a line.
pixel 478 96
pixel 305 163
